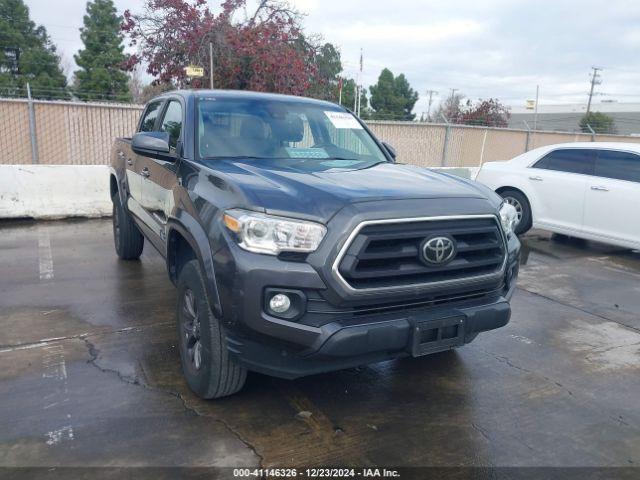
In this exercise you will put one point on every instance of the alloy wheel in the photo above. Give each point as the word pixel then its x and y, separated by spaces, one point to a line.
pixel 517 205
pixel 191 329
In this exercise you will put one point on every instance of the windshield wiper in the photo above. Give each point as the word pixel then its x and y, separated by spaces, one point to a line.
pixel 242 157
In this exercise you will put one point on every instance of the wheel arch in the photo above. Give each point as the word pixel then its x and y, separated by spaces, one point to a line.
pixel 505 188
pixel 113 186
pixel 187 240
pixel 117 186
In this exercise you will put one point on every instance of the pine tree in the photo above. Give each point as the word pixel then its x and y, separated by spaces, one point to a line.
pixel 392 98
pixel 101 75
pixel 27 55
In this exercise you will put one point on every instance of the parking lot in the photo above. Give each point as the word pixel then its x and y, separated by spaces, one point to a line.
pixel 91 375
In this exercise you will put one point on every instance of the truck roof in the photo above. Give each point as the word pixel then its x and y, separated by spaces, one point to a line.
pixel 244 94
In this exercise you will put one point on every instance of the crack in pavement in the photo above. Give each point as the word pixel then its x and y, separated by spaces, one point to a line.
pixel 502 359
pixel 508 362
pixel 580 309
pixel 46 341
pixel 94 354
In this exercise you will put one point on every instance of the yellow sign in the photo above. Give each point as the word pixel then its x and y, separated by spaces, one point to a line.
pixel 193 71
pixel 531 104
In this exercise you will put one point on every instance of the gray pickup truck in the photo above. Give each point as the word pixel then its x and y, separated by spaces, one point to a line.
pixel 296 242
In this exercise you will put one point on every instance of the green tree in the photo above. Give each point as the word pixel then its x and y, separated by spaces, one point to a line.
pixel 329 66
pixel 101 62
pixel 600 123
pixel 27 55
pixel 392 98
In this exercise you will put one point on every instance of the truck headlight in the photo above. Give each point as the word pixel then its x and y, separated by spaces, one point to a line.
pixel 260 233
pixel 508 218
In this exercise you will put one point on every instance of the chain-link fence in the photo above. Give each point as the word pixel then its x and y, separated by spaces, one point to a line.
pixel 62 133
pixel 75 133
pixel 453 145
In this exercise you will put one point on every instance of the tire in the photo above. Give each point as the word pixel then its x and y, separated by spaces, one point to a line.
pixel 128 240
pixel 521 203
pixel 208 369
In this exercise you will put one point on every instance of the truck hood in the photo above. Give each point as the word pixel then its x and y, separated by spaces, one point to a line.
pixel 311 190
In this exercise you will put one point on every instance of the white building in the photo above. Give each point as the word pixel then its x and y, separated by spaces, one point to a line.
pixel 567 117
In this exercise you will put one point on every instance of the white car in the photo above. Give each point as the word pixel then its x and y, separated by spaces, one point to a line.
pixel 585 190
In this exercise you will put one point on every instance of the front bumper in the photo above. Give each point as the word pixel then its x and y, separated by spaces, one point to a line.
pixel 339 346
pixel 348 331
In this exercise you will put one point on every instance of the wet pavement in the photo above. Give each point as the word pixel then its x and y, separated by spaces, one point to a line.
pixel 90 373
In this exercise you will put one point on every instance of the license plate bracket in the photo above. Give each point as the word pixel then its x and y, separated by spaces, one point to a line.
pixel 437 335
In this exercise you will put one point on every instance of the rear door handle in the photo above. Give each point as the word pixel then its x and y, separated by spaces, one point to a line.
pixel 599 188
pixel 145 172
pixel 536 178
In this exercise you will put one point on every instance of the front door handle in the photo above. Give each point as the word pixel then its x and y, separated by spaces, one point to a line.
pixel 536 178
pixel 145 172
pixel 599 188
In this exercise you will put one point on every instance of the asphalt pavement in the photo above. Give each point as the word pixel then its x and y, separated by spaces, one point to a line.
pixel 90 372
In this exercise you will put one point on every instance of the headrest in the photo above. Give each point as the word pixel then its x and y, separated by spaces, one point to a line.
pixel 252 128
pixel 289 129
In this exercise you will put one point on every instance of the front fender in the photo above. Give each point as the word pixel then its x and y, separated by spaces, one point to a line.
pixel 195 235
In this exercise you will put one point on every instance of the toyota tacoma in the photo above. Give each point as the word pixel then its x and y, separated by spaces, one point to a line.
pixel 296 242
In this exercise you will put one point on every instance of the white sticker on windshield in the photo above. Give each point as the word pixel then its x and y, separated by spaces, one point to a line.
pixel 343 120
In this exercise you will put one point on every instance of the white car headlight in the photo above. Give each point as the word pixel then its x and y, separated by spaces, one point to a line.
pixel 508 218
pixel 260 233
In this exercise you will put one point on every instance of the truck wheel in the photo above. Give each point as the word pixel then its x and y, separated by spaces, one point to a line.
pixel 207 366
pixel 128 240
pixel 521 204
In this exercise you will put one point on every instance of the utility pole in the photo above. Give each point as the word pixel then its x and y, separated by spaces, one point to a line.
pixel 535 113
pixel 431 93
pixel 360 84
pixel 594 81
pixel 211 65
pixel 452 110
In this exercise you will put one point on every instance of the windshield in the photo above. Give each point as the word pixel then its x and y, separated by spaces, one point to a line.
pixel 285 130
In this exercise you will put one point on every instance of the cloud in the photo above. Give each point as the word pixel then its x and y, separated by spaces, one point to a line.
pixel 483 48
pixel 403 33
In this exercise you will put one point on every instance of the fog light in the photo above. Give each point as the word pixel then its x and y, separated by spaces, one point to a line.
pixel 280 303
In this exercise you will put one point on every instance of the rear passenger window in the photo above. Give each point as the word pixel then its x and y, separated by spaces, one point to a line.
pixel 618 165
pixel 570 160
pixel 149 118
pixel 172 122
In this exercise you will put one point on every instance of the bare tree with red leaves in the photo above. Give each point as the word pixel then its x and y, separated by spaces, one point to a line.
pixel 264 50
pixel 490 113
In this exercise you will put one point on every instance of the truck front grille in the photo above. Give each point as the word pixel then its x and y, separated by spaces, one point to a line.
pixel 389 254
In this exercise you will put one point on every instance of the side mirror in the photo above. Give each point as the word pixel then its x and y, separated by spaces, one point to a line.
pixel 390 149
pixel 150 143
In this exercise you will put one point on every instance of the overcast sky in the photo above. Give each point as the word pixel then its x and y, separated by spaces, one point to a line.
pixel 483 48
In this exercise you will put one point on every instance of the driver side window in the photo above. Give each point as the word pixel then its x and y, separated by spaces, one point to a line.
pixel 172 123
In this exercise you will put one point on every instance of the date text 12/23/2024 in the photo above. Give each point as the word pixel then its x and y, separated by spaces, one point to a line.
pixel 315 473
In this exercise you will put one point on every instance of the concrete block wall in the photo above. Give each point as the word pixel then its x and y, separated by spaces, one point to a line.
pixel 54 191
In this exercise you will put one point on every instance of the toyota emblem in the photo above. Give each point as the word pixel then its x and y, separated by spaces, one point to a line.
pixel 438 250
